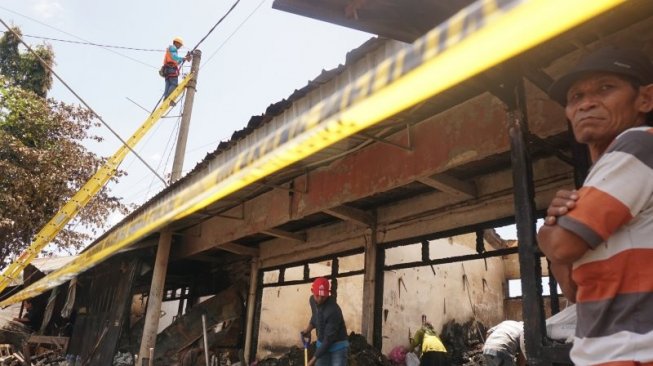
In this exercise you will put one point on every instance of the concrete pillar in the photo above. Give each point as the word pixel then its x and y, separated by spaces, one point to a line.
pixel 180 150
pixel 251 305
pixel 156 295
pixel 369 287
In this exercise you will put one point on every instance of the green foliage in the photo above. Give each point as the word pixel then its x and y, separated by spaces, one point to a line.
pixel 23 69
pixel 43 161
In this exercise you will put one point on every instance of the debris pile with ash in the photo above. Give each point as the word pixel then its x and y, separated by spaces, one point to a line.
pixel 294 357
pixel 363 354
pixel 464 342
pixel 360 354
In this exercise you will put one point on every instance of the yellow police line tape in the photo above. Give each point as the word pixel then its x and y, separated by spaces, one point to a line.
pixel 94 184
pixel 475 39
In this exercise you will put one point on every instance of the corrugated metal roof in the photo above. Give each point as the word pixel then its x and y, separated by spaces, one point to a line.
pixel 49 264
pixel 255 123
pixel 402 20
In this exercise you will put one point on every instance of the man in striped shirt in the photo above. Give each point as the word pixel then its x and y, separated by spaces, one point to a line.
pixel 599 239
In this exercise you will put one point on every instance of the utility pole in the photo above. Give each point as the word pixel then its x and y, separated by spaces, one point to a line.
pixel 148 341
pixel 180 151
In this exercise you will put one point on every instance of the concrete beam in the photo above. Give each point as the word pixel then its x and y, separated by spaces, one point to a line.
pixel 439 143
pixel 191 246
pixel 205 258
pixel 285 235
pixel 423 215
pixel 451 185
pixel 354 215
pixel 238 249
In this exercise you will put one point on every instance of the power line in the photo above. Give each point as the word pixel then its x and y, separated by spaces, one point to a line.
pixel 80 38
pixel 234 32
pixel 94 44
pixel 45 64
pixel 215 26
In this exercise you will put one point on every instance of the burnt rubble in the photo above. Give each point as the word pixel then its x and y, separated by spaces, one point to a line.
pixel 464 342
pixel 360 354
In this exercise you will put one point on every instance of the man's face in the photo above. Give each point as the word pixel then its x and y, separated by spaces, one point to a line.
pixel 602 105
pixel 177 44
pixel 319 299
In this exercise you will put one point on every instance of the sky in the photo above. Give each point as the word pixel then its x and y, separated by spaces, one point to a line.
pixel 256 57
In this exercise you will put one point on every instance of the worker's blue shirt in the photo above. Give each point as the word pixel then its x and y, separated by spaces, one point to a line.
pixel 173 53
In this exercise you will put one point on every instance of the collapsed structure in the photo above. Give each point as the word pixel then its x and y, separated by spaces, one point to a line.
pixel 488 152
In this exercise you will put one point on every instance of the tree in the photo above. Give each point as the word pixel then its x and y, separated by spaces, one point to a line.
pixel 24 69
pixel 43 161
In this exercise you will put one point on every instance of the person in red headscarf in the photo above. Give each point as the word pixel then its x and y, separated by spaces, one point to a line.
pixel 332 344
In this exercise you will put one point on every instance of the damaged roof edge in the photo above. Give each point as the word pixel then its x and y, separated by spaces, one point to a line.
pixel 230 148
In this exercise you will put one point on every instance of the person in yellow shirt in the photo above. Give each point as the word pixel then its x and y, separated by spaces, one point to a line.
pixel 433 351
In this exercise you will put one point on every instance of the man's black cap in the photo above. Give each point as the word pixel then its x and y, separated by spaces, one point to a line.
pixel 628 62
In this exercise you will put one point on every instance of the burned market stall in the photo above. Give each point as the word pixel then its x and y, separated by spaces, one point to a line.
pixel 398 214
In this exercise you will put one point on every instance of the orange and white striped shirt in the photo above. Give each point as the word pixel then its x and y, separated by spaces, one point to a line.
pixel 614 215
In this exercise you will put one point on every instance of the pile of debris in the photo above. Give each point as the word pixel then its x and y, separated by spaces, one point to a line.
pixel 360 354
pixel 464 342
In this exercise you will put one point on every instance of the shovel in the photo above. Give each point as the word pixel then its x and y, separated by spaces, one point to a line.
pixel 306 341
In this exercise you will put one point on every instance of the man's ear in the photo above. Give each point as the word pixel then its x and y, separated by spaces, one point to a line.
pixel 646 98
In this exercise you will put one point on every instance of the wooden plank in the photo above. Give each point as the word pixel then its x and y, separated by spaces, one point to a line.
pixel 61 342
pixel 225 306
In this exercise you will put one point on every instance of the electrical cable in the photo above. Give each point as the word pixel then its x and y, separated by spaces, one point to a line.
pixel 45 64
pixel 173 133
pixel 214 26
pixel 220 47
pixel 172 147
pixel 95 44
pixel 80 38
pixel 232 34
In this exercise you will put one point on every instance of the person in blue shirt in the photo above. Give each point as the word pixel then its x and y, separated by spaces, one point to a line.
pixel 171 63
pixel 332 346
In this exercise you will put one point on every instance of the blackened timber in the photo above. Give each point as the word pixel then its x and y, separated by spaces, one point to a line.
pixel 377 335
pixel 310 280
pixel 425 251
pixel 322 258
pixel 529 259
pixel 553 291
pixel 453 232
pixel 456 259
pixel 335 267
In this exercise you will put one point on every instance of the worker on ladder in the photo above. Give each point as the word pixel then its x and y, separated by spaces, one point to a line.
pixel 170 68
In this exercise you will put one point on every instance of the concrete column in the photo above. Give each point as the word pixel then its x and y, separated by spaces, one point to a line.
pixel 180 150
pixel 148 341
pixel 369 287
pixel 251 305
pixel 156 295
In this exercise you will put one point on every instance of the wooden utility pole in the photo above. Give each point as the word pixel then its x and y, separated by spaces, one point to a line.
pixel 157 288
